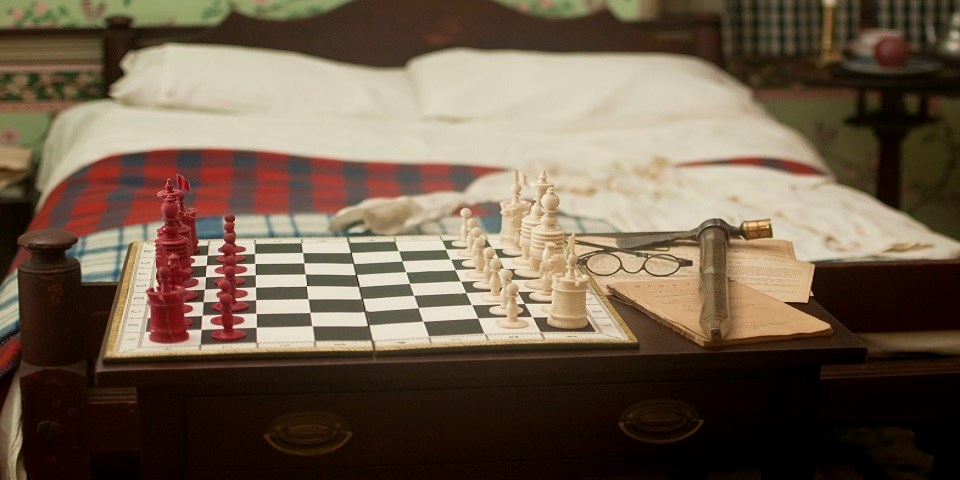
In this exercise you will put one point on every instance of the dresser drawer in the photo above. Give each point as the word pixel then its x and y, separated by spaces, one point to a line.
pixel 274 432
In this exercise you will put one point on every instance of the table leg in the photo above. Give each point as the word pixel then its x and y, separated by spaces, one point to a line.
pixel 888 167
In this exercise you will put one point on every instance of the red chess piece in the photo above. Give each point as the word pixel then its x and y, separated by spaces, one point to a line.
pixel 188 216
pixel 167 323
pixel 176 195
pixel 229 259
pixel 228 321
pixel 231 239
pixel 228 227
pixel 226 290
pixel 230 275
pixel 168 235
pixel 181 277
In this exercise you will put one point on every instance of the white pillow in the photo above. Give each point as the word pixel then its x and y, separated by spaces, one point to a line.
pixel 246 80
pixel 468 84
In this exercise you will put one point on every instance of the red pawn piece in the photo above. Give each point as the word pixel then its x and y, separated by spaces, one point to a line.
pixel 230 275
pixel 235 306
pixel 228 321
pixel 230 222
pixel 231 239
pixel 229 259
pixel 167 323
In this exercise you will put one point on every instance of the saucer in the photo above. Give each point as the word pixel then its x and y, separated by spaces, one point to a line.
pixel 914 66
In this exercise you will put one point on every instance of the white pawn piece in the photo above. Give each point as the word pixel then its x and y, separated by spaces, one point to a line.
pixel 479 261
pixel 474 232
pixel 568 310
pixel 494 270
pixel 465 214
pixel 506 278
pixel 488 254
pixel 513 310
pixel 546 231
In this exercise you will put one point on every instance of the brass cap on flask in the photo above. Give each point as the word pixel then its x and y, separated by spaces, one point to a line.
pixel 753 229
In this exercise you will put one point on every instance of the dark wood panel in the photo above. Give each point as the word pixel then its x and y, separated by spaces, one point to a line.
pixel 390 32
pixel 890 296
pixel 488 424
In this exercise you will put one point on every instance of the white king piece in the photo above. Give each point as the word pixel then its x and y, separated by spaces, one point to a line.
pixel 569 307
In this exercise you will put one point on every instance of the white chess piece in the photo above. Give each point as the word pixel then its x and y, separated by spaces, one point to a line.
pixel 494 269
pixel 511 214
pixel 512 320
pixel 488 254
pixel 470 252
pixel 465 214
pixel 506 277
pixel 545 231
pixel 479 259
pixel 545 287
pixel 549 250
pixel 530 220
pixel 568 310
pixel 473 226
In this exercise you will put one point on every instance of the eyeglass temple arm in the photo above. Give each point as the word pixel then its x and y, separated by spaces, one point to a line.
pixel 684 262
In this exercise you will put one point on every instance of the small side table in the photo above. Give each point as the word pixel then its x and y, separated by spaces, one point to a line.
pixel 891 121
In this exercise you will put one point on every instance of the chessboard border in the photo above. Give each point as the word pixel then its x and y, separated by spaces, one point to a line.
pixel 111 353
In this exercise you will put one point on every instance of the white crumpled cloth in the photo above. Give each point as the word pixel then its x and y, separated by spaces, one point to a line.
pixel 824 220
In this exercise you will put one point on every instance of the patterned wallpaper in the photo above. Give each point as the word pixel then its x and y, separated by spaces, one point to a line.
pixel 90 13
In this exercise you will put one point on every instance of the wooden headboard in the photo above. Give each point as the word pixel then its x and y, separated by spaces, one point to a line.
pixel 387 33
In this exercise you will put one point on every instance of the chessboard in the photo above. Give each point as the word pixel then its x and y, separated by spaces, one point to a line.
pixel 343 295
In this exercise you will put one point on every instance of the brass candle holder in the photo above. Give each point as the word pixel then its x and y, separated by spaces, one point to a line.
pixel 829 54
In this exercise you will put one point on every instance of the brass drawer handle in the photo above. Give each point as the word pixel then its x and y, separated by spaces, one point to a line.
pixel 660 421
pixel 308 433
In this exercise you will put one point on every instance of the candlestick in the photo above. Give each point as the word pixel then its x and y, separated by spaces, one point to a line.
pixel 828 54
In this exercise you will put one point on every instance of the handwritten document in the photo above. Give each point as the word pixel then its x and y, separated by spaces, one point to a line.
pixel 754 316
pixel 768 265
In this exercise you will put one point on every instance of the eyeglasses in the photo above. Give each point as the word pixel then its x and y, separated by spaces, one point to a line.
pixel 605 262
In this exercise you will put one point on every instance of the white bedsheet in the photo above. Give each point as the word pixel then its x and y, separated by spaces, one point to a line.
pixel 96 129
pixel 621 172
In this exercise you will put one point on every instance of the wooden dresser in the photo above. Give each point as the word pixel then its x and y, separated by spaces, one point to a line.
pixel 667 405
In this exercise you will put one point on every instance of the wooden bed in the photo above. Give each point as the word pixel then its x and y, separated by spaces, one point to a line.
pixel 71 426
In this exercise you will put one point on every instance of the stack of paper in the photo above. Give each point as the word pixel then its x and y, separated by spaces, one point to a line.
pixel 763 275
